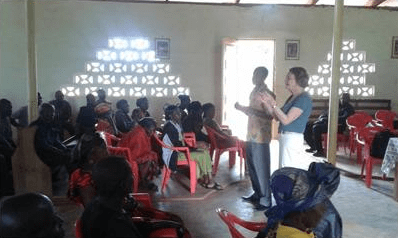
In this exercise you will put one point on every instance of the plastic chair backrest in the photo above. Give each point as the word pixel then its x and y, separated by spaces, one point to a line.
pixel 231 221
pixel 386 118
pixel 190 139
pixel 359 120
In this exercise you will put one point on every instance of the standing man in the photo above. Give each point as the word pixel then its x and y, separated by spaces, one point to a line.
pixel 258 139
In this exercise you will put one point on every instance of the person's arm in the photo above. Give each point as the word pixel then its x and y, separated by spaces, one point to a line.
pixel 285 119
pixel 249 111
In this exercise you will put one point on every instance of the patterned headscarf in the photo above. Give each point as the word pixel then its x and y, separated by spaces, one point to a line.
pixel 297 190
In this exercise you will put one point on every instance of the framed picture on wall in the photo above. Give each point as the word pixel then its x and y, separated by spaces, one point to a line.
pixel 292 49
pixel 162 48
pixel 394 52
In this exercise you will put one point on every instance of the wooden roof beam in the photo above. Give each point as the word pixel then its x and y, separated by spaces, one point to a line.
pixel 373 3
pixel 312 2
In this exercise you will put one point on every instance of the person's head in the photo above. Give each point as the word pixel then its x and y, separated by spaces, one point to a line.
pixel 112 177
pixel 123 105
pixel 5 108
pixel 29 215
pixel 47 112
pixel 300 194
pixel 209 110
pixel 90 99
pixel 137 114
pixel 39 99
pixel 101 94
pixel 195 108
pixel 296 77
pixel 90 149
pixel 103 110
pixel 173 113
pixel 345 98
pixel 185 100
pixel 59 95
pixel 149 124
pixel 259 75
pixel 143 103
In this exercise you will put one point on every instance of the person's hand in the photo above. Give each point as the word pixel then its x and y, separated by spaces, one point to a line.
pixel 267 99
pixel 238 106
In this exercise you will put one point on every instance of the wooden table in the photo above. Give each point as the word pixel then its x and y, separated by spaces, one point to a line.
pixel 390 161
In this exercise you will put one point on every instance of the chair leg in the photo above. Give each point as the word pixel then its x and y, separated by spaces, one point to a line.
pixel 368 178
pixel 166 177
pixel 192 177
pixel 232 158
pixel 216 162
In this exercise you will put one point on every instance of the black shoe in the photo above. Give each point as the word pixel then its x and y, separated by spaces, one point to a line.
pixel 251 199
pixel 260 207
pixel 319 154
pixel 310 150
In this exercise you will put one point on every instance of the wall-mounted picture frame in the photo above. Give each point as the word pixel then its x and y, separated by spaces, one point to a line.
pixel 292 49
pixel 394 51
pixel 162 48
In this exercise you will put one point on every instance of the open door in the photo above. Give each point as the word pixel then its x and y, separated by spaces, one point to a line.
pixel 240 58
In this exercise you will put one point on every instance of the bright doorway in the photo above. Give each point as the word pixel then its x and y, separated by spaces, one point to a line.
pixel 240 58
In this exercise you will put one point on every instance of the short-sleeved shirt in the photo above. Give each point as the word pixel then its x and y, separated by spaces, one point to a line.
pixel 259 129
pixel 303 102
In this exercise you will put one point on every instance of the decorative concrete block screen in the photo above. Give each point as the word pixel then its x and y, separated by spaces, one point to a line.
pixel 127 68
pixel 353 74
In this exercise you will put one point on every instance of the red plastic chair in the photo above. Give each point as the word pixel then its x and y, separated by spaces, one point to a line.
pixel 215 145
pixel 232 221
pixel 187 162
pixel 365 138
pixel 355 123
pixel 124 152
pixel 385 118
pixel 190 139
pixel 342 140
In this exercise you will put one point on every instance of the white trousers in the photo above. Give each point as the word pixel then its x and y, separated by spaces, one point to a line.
pixel 292 151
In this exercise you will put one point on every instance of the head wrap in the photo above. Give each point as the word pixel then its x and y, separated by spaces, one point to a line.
pixel 297 190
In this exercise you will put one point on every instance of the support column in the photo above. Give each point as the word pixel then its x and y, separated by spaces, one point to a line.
pixel 334 85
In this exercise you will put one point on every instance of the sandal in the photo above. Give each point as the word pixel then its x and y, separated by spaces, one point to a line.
pixel 215 186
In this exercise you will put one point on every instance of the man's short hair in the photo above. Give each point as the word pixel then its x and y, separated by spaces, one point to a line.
pixel 29 215
pixel 112 176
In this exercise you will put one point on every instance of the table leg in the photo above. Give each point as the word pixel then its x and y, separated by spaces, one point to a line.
pixel 396 182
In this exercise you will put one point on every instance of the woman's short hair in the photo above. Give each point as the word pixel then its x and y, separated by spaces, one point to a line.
pixel 207 107
pixel 147 122
pixel 120 103
pixel 262 72
pixel 301 76
pixel 169 111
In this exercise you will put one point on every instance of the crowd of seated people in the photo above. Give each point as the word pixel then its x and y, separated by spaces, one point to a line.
pixel 134 132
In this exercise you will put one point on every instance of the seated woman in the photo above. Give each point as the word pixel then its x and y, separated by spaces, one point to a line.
pixel 209 112
pixel 303 208
pixel 194 123
pixel 172 132
pixel 105 120
pixel 90 149
pixel 139 142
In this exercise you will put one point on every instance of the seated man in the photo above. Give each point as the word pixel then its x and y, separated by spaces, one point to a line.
pixel 50 149
pixel 86 118
pixel 138 141
pixel 63 114
pixel 313 131
pixel 105 216
pixel 29 215
pixel 123 122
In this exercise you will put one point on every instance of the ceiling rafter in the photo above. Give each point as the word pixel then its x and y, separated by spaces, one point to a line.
pixel 312 2
pixel 373 3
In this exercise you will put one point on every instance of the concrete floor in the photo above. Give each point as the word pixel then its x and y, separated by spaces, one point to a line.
pixel 365 212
